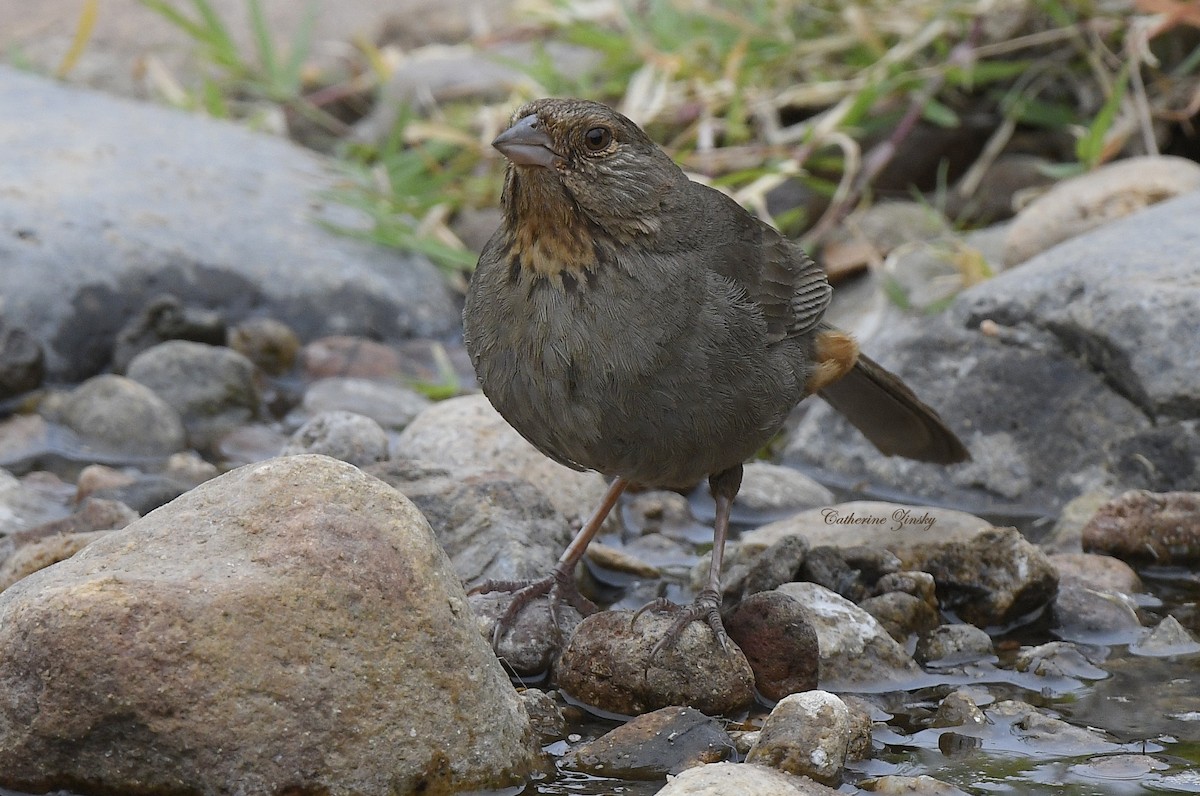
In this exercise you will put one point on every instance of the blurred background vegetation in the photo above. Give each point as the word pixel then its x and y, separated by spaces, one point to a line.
pixel 800 109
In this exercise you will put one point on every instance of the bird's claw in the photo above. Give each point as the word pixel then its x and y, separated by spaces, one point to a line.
pixel 558 587
pixel 706 607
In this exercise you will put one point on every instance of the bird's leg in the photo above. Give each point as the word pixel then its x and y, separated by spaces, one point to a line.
pixel 559 585
pixel 707 604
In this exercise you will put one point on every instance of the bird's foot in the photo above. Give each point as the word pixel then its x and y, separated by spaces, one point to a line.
pixel 706 607
pixel 558 587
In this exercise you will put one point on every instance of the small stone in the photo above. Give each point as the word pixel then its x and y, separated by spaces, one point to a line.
pixel 660 512
pixel 897 785
pixel 743 779
pixel 953 645
pixel 354 357
pixel 1146 527
pixel 123 415
pixel 620 560
pixel 545 716
pixel 351 438
pixel 914 582
pixel 958 709
pixel 165 318
pixel 778 642
pixel 901 614
pixel 607 665
pixel 95 477
pixel 1046 734
pixel 213 388
pixel 270 344
pixel 1057 659
pixel 653 745
pixel 1067 534
pixel 145 493
pixel 533 640
pixel 390 405
pixel 1094 617
pixel 1167 638
pixel 806 734
pixel 848 571
pixel 1102 573
pixel 253 442
pixel 41 553
pixel 776 565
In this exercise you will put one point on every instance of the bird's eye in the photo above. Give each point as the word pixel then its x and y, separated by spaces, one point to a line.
pixel 597 138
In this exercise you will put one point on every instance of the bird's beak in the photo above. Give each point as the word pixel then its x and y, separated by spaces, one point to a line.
pixel 527 145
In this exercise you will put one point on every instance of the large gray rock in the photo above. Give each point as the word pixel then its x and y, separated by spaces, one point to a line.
pixel 1073 371
pixel 106 203
pixel 288 627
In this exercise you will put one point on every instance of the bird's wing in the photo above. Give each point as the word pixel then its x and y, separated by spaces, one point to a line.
pixel 793 290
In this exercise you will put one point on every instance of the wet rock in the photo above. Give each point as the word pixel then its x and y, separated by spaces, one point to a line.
pixel 744 779
pixel 1043 370
pixel 953 645
pixel 1167 638
pixel 996 578
pixel 1048 735
pixel 467 431
pixel 806 734
pixel 165 318
pixel 1103 573
pixel 918 584
pixel 863 523
pixel 92 514
pixel 607 665
pixel 22 363
pixel 213 389
pixel 1093 616
pixel 491 524
pixel 1088 201
pixel 343 435
pixel 1147 528
pixel 653 745
pixel 855 649
pixel 774 566
pixel 1103 771
pixel 300 578
pixel 1067 534
pixel 1058 659
pixel 958 709
pixel 122 414
pixel 389 405
pixel 545 716
pixel 901 614
pixel 270 344
pixel 135 200
pixel 26 502
pixel 779 644
pixel 897 785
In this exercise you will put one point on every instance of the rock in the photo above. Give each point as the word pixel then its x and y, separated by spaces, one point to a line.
pixel 1122 768
pixel 93 514
pixel 1167 638
pixel 621 561
pixel 22 363
pixel 253 442
pixel 897 785
pixel 494 526
pixel 806 734
pixel 779 644
pixel 996 578
pixel 1058 659
pixel 855 649
pixel 261 598
pixel 343 435
pixel 1083 203
pixel 350 357
pixel 165 318
pixel 1093 616
pixel 41 553
pixel 893 526
pixel 953 645
pixel 774 566
pixel 607 665
pixel 958 709
pixel 660 512
pixel 270 344
pixel 901 614
pixel 29 501
pixel 533 640
pixel 145 493
pixel 130 201
pixel 545 716
pixel 124 415
pixel 653 745
pixel 1044 371
pixel 850 571
pixel 1147 528
pixel 1067 534
pixel 1037 731
pixel 213 389
pixel 467 431
pixel 744 779
pixel 389 405
pixel 919 584
pixel 1103 573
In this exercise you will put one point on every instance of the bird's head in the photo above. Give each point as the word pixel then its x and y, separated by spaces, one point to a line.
pixel 587 155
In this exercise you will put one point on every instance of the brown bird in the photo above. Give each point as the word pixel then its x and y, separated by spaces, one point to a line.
pixel 627 320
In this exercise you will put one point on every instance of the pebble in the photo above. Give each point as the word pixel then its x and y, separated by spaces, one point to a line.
pixel 1166 638
pixel 778 642
pixel 122 414
pixel 22 363
pixel 953 645
pixel 806 734
pixel 343 435
pixel 901 614
pixel 1147 527
pixel 744 779
pixel 389 405
pixel 271 345
pixel 1094 616
pixel 653 745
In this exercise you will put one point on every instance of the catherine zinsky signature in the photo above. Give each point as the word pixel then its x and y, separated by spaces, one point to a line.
pixel 897 521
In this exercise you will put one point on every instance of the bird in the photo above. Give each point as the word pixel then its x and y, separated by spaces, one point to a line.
pixel 626 319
